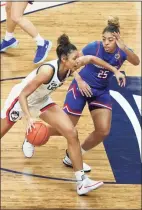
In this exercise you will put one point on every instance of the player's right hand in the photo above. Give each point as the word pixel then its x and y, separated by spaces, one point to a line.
pixel 121 79
pixel 30 125
pixel 84 88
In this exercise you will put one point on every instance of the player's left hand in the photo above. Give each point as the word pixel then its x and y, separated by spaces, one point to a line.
pixel 119 41
pixel 84 88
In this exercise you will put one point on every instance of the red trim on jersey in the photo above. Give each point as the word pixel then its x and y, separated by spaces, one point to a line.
pixel 100 104
pixel 73 89
pixel 9 109
pixel 47 107
pixel 98 49
pixel 71 111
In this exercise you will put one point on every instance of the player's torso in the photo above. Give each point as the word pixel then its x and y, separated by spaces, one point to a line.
pixel 45 89
pixel 97 76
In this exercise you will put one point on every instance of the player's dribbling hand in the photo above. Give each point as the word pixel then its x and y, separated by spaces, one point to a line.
pixel 30 125
pixel 84 88
pixel 121 79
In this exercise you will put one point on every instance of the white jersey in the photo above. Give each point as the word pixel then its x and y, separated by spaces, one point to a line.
pixel 38 101
pixel 44 90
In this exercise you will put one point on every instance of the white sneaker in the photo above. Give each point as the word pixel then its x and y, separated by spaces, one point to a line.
pixel 87 185
pixel 28 149
pixel 68 163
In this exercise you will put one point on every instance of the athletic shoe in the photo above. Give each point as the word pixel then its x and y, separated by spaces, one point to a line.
pixel 28 149
pixel 42 52
pixel 87 185
pixel 12 43
pixel 68 163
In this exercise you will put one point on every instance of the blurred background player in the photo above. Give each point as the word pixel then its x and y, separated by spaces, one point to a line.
pixel 92 86
pixel 14 12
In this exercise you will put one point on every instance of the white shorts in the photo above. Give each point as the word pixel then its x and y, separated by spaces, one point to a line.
pixel 12 110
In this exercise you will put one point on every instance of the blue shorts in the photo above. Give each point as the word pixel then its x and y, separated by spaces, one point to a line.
pixel 75 102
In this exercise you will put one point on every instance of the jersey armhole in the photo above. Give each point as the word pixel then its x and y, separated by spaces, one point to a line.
pixel 50 66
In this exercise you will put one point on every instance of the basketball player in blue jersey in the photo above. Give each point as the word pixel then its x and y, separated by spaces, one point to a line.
pixel 113 50
pixel 93 81
pixel 14 12
pixel 32 96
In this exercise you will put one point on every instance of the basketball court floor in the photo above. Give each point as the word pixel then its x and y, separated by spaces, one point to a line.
pixel 43 182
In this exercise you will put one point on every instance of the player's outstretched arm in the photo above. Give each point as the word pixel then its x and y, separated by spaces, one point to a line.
pixel 83 60
pixel 42 77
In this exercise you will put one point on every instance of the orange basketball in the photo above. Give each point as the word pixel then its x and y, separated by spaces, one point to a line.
pixel 39 135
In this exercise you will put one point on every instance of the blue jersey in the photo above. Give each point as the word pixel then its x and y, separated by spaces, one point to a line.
pixel 97 76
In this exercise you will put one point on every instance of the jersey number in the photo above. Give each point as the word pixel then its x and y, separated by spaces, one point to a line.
pixel 103 74
pixel 52 86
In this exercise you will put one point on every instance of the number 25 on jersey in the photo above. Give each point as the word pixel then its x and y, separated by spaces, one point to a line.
pixel 103 74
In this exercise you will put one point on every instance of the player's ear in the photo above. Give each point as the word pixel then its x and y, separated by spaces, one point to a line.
pixel 80 53
pixel 64 58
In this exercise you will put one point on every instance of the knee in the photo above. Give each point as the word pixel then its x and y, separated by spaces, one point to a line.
pixel 72 134
pixel 8 9
pixel 15 18
pixel 104 131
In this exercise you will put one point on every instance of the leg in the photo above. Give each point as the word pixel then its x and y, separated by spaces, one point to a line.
pixel 10 24
pixel 54 132
pixel 44 46
pixel 5 127
pixel 73 106
pixel 102 122
pixel 14 14
pixel 58 119
pixel 17 17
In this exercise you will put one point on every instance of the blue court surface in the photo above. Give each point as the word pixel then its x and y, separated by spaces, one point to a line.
pixel 123 145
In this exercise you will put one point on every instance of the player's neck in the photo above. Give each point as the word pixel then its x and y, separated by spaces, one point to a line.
pixel 62 71
pixel 113 51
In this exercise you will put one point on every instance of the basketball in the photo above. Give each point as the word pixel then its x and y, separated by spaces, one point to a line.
pixel 39 135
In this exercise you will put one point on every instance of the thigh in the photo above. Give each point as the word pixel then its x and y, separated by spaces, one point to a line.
pixel 18 8
pixel 102 119
pixel 8 5
pixel 56 117
pixel 101 99
pixel 5 127
pixel 74 102
pixel 49 103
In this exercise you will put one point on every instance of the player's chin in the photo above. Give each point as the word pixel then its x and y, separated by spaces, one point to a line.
pixel 107 50
pixel 73 70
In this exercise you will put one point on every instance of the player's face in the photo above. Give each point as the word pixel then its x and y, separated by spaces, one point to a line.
pixel 109 42
pixel 71 62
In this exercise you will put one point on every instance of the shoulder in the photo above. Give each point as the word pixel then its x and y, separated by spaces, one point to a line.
pixel 123 54
pixel 53 63
pixel 91 48
pixel 47 68
pixel 93 44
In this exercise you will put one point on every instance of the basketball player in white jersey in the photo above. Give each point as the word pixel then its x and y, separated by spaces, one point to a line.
pixel 32 95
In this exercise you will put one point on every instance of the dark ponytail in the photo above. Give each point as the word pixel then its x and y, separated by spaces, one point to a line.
pixel 64 46
pixel 113 25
